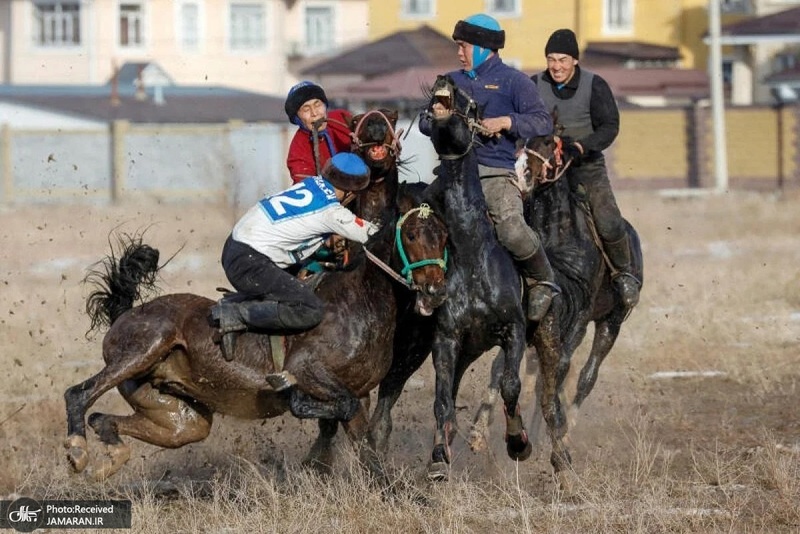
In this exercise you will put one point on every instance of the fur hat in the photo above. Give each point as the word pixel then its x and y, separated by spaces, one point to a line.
pixel 562 42
pixel 480 30
pixel 300 94
pixel 347 172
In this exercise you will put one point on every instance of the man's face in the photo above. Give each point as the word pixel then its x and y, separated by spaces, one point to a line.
pixel 465 55
pixel 561 67
pixel 313 110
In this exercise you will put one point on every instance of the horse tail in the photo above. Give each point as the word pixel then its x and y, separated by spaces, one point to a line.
pixel 120 279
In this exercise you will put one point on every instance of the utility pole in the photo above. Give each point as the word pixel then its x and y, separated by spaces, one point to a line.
pixel 717 98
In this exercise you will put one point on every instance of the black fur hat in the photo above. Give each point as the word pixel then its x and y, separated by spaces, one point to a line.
pixel 562 42
pixel 347 172
pixel 480 30
pixel 300 94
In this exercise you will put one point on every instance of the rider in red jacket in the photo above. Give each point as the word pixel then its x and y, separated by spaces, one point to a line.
pixel 307 107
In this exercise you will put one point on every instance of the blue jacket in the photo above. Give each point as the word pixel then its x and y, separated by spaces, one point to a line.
pixel 502 90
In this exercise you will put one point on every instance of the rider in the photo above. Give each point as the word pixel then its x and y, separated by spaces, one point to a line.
pixel 513 110
pixel 276 234
pixel 307 107
pixel 588 111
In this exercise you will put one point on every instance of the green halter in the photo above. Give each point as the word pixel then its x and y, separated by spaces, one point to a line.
pixel 424 212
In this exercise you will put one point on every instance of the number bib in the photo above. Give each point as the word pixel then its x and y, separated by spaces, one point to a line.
pixel 311 195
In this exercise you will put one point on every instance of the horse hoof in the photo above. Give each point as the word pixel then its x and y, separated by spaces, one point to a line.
pixel 477 440
pixel 117 455
pixel 438 471
pixel 519 447
pixel 77 455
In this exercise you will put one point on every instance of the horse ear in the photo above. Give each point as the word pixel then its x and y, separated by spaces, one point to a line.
pixel 354 121
pixel 405 203
pixel 554 114
pixel 392 115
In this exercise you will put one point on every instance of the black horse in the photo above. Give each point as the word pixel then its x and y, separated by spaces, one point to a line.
pixel 484 306
pixel 162 357
pixel 563 219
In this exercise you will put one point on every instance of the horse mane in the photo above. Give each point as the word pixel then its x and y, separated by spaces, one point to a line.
pixel 127 274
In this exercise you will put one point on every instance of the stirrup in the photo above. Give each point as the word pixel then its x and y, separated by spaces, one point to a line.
pixel 281 381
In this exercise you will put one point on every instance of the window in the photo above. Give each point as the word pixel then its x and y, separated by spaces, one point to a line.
pixel 56 23
pixel 417 8
pixel 131 24
pixel 618 16
pixel 189 26
pixel 319 30
pixel 735 6
pixel 247 26
pixel 502 7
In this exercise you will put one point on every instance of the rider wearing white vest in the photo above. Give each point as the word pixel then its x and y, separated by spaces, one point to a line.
pixel 588 112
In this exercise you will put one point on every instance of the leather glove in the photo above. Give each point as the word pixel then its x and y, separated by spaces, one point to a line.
pixel 572 153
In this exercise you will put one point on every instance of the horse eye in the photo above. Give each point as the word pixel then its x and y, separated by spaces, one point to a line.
pixel 411 236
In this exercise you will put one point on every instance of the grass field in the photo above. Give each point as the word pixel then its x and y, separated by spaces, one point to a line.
pixel 693 425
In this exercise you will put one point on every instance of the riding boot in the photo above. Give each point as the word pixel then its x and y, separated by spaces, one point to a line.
pixel 266 315
pixel 619 253
pixel 231 322
pixel 540 279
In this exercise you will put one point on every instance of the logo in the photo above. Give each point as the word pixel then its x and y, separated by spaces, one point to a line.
pixel 25 515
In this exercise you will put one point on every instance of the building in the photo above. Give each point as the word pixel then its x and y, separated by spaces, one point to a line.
pixel 245 44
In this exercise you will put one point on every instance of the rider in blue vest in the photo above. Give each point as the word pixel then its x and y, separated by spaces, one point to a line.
pixel 512 111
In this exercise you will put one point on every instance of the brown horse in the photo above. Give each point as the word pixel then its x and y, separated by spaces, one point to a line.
pixel 162 357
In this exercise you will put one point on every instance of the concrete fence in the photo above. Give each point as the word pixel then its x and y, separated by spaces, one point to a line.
pixel 236 163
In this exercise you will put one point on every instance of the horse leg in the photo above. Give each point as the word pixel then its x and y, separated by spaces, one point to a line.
pixel 479 433
pixel 409 351
pixel 605 335
pixel 160 419
pixel 553 365
pixel 445 351
pixel 320 457
pixel 80 397
pixel 518 446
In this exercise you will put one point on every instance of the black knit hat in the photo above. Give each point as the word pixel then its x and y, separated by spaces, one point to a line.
pixel 300 94
pixel 562 42
pixel 346 171
pixel 480 30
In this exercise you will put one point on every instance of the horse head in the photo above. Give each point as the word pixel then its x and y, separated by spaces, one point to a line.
pixel 376 141
pixel 541 158
pixel 455 118
pixel 420 240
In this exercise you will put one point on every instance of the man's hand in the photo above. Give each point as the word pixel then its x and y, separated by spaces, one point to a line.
pixel 495 125
pixel 573 152
pixel 336 244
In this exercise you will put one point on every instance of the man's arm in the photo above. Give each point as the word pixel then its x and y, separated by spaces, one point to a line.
pixel 605 117
pixel 531 118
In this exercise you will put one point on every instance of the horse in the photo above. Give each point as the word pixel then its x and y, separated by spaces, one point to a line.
pixel 484 306
pixel 564 222
pixel 162 357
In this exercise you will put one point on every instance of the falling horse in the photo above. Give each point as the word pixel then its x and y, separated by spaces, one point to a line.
pixel 162 357
pixel 563 220
pixel 484 306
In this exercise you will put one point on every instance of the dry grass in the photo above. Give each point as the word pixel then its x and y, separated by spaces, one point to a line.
pixel 716 454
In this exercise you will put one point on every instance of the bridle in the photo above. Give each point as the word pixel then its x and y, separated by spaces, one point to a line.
pixel 447 92
pixel 555 158
pixel 423 212
pixel 405 277
pixel 393 147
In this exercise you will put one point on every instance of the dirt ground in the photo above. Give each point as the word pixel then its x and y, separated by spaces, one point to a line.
pixel 721 300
